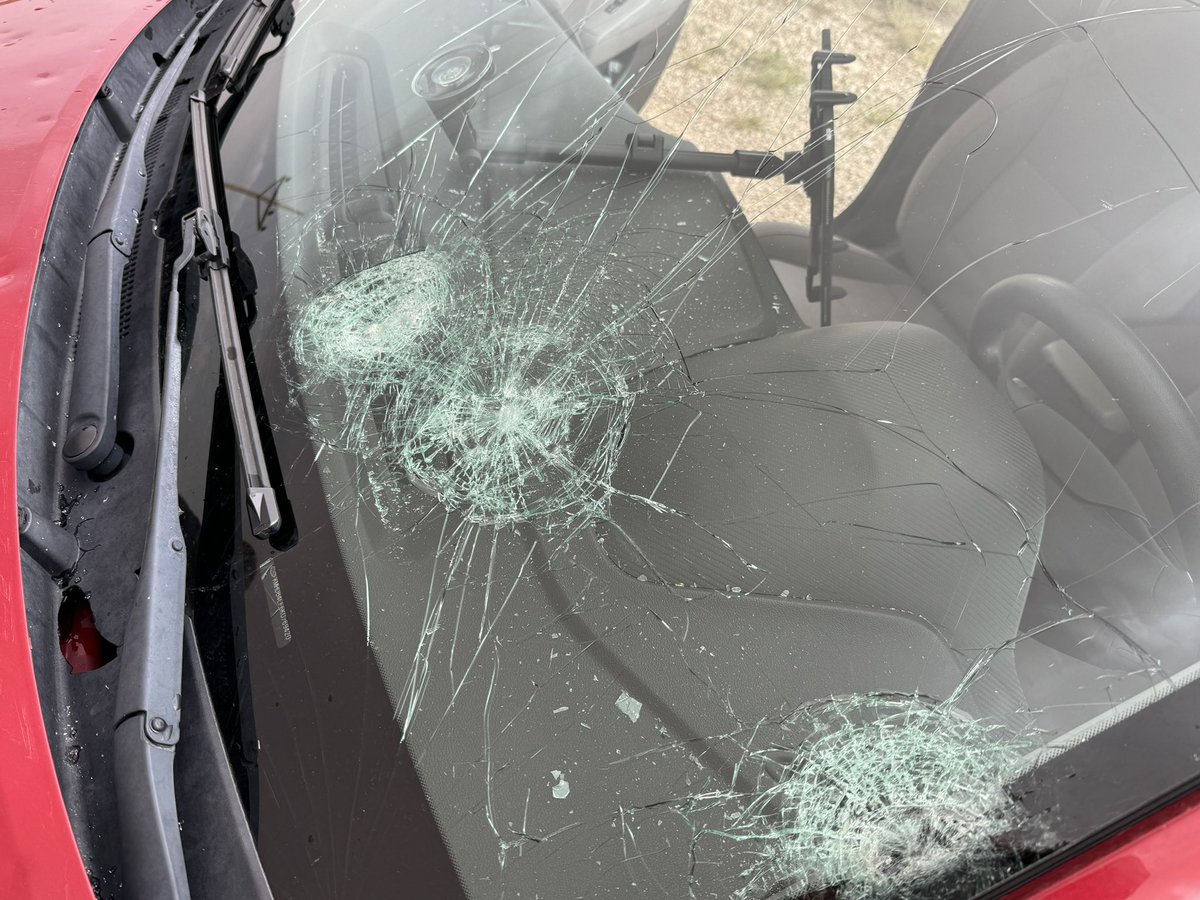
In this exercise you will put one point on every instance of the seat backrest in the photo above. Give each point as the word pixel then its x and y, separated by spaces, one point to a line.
pixel 1067 165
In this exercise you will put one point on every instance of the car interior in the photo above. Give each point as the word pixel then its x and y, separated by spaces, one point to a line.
pixel 979 484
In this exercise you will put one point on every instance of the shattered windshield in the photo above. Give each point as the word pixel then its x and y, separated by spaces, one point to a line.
pixel 732 449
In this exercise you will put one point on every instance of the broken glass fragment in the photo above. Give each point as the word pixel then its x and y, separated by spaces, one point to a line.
pixel 626 704
pixel 561 789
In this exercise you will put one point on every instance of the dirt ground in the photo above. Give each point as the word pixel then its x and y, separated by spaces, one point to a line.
pixel 739 76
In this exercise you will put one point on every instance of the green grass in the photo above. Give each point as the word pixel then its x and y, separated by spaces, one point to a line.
pixel 773 71
pixel 881 114
pixel 714 61
pixel 747 123
pixel 923 25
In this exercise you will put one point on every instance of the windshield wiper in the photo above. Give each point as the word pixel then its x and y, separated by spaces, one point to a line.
pixel 91 438
pixel 148 715
pixel 265 515
pixel 150 682
pixel 91 443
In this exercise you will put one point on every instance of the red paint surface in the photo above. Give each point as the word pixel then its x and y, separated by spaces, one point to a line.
pixel 1157 859
pixel 54 56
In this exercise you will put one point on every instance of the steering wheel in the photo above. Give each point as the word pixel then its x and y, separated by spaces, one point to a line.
pixel 1157 412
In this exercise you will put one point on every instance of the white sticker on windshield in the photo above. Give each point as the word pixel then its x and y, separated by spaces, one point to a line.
pixel 279 619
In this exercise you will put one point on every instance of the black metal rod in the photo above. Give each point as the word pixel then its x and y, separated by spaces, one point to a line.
pixel 635 158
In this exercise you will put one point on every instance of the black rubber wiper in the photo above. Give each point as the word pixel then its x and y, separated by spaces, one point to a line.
pixel 265 515
pixel 91 438
pixel 239 62
pixel 148 715
pixel 238 67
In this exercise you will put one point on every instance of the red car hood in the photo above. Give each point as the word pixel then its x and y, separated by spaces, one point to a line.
pixel 55 55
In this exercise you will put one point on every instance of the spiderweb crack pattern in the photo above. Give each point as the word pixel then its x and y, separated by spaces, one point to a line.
pixel 504 397
pixel 882 794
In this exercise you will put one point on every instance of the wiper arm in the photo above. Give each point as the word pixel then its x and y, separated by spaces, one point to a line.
pixel 90 443
pixel 265 515
pixel 150 681
pixel 149 686
pixel 147 720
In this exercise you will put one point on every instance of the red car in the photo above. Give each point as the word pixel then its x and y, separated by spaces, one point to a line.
pixel 443 467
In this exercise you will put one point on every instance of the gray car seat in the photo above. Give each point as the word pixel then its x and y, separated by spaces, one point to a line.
pixel 1079 164
pixel 1076 165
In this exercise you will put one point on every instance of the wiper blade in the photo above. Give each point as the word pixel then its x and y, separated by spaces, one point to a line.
pixel 90 443
pixel 244 42
pixel 265 515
